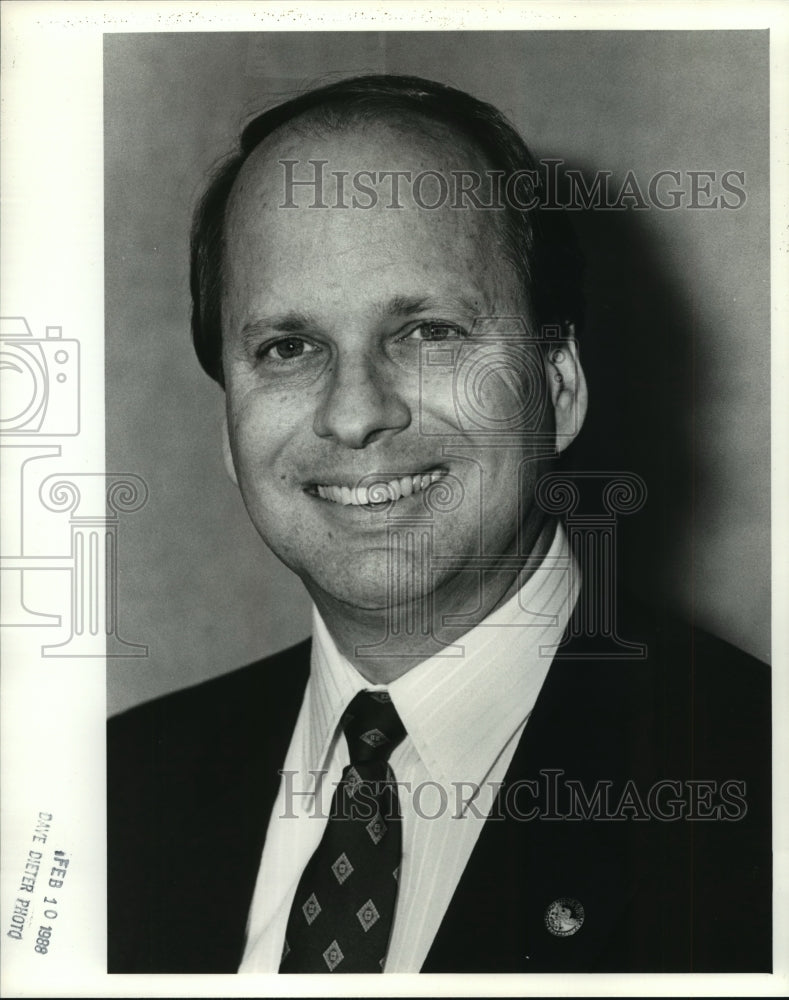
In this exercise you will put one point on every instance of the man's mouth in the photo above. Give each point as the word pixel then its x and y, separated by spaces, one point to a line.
pixel 379 492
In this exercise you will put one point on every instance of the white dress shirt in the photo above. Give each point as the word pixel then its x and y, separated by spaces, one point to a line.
pixel 463 715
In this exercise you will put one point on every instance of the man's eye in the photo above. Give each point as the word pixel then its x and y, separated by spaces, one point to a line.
pixel 437 331
pixel 286 349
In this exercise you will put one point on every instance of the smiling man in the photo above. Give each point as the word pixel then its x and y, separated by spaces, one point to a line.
pixel 326 315
pixel 392 317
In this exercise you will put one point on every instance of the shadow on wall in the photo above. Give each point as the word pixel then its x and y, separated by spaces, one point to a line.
pixel 639 351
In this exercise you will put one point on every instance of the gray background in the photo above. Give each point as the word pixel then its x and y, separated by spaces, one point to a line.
pixel 676 347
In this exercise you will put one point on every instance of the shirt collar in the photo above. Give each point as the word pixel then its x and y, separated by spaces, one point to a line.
pixel 333 683
pixel 486 684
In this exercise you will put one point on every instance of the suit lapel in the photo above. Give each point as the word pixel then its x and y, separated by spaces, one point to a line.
pixel 213 827
pixel 245 805
pixel 583 726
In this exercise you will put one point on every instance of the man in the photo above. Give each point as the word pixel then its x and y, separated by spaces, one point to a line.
pixel 392 316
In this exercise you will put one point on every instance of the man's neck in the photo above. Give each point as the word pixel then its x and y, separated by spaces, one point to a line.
pixel 383 644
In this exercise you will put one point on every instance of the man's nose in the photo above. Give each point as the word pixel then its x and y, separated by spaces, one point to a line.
pixel 360 404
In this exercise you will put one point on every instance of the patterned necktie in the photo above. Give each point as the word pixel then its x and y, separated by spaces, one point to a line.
pixel 344 905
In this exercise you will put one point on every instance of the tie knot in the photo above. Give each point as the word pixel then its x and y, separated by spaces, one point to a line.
pixel 372 727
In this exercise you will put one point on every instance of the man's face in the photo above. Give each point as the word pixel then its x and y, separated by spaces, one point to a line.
pixel 327 317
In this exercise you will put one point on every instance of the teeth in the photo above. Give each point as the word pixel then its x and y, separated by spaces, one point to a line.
pixel 395 489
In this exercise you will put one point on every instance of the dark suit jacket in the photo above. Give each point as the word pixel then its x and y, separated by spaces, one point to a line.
pixel 193 777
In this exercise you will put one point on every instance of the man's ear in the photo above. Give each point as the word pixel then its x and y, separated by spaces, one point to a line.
pixel 567 389
pixel 227 453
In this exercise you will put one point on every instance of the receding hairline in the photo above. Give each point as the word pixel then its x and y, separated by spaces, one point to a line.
pixel 437 134
pixel 491 227
pixel 325 121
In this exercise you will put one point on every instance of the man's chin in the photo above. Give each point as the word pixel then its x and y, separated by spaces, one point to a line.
pixel 368 589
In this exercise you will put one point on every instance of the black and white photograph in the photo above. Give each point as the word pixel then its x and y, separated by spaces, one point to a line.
pixel 426 582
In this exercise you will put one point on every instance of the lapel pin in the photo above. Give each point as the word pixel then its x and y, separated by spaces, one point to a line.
pixel 564 917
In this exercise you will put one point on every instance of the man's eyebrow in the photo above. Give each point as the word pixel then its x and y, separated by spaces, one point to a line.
pixel 290 322
pixel 399 305
pixel 402 305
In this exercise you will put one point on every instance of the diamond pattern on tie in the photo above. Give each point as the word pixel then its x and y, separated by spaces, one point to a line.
pixel 353 780
pixel 368 915
pixel 342 868
pixel 376 828
pixel 311 908
pixel 374 738
pixel 333 956
pixel 347 893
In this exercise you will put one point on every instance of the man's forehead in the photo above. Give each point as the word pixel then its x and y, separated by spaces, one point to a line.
pixel 282 251
pixel 344 158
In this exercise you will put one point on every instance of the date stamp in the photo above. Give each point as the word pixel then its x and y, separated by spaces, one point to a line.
pixel 42 880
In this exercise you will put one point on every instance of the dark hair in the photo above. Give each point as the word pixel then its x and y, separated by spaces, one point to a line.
pixel 538 241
